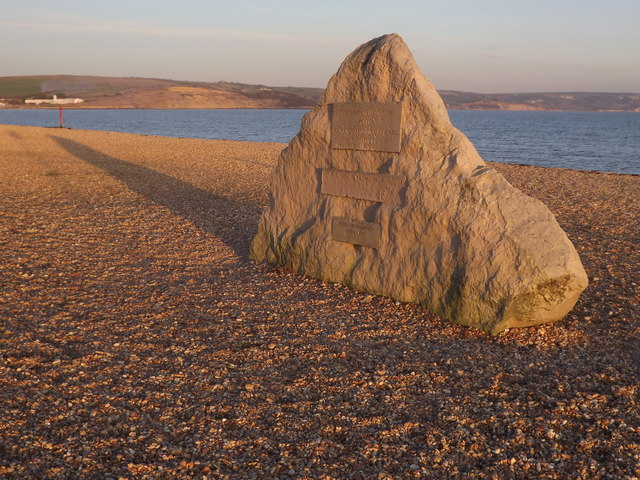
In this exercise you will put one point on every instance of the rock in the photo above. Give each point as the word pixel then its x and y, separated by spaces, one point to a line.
pixel 395 201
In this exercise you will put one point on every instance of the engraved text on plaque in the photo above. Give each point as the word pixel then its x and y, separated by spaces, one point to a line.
pixel 366 186
pixel 371 126
pixel 357 232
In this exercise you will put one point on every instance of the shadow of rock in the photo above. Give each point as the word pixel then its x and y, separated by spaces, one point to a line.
pixel 231 221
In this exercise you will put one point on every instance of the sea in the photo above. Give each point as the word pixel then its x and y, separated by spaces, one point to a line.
pixel 597 141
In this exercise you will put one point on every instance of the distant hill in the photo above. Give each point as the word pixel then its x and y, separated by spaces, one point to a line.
pixel 133 92
pixel 119 92
pixel 578 101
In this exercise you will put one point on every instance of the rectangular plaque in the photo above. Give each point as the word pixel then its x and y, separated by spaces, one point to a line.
pixel 371 126
pixel 357 232
pixel 366 186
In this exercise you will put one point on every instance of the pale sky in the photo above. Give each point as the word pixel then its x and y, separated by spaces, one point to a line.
pixel 488 46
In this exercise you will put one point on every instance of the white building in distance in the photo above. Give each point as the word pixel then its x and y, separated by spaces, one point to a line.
pixel 54 101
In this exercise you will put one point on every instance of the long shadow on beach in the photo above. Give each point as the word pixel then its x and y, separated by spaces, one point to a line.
pixel 231 221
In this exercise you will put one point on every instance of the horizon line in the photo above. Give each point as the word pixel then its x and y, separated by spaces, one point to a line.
pixel 530 92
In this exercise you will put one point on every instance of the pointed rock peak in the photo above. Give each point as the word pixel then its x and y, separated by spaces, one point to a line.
pixel 384 69
pixel 380 192
pixel 367 56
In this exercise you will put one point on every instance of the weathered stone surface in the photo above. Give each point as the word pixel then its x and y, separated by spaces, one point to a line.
pixel 462 242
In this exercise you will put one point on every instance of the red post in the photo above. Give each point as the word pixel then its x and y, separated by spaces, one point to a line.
pixel 60 109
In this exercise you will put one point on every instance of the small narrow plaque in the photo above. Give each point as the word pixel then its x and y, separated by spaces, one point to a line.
pixel 348 230
pixel 366 186
pixel 373 126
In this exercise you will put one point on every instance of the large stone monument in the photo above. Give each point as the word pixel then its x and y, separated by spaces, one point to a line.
pixel 380 192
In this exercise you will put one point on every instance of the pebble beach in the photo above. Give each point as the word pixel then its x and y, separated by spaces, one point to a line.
pixel 137 340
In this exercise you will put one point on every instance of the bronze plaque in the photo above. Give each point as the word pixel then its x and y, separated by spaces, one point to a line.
pixel 366 186
pixel 371 126
pixel 357 232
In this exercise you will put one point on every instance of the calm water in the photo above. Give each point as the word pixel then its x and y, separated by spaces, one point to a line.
pixel 580 140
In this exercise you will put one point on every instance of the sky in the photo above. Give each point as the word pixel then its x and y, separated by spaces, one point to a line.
pixel 488 46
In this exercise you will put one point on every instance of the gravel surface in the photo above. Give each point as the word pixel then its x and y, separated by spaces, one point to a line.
pixel 137 340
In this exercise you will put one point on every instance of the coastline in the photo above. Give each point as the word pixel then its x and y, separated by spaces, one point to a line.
pixel 115 92
pixel 131 307
pixel 107 107
pixel 594 160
